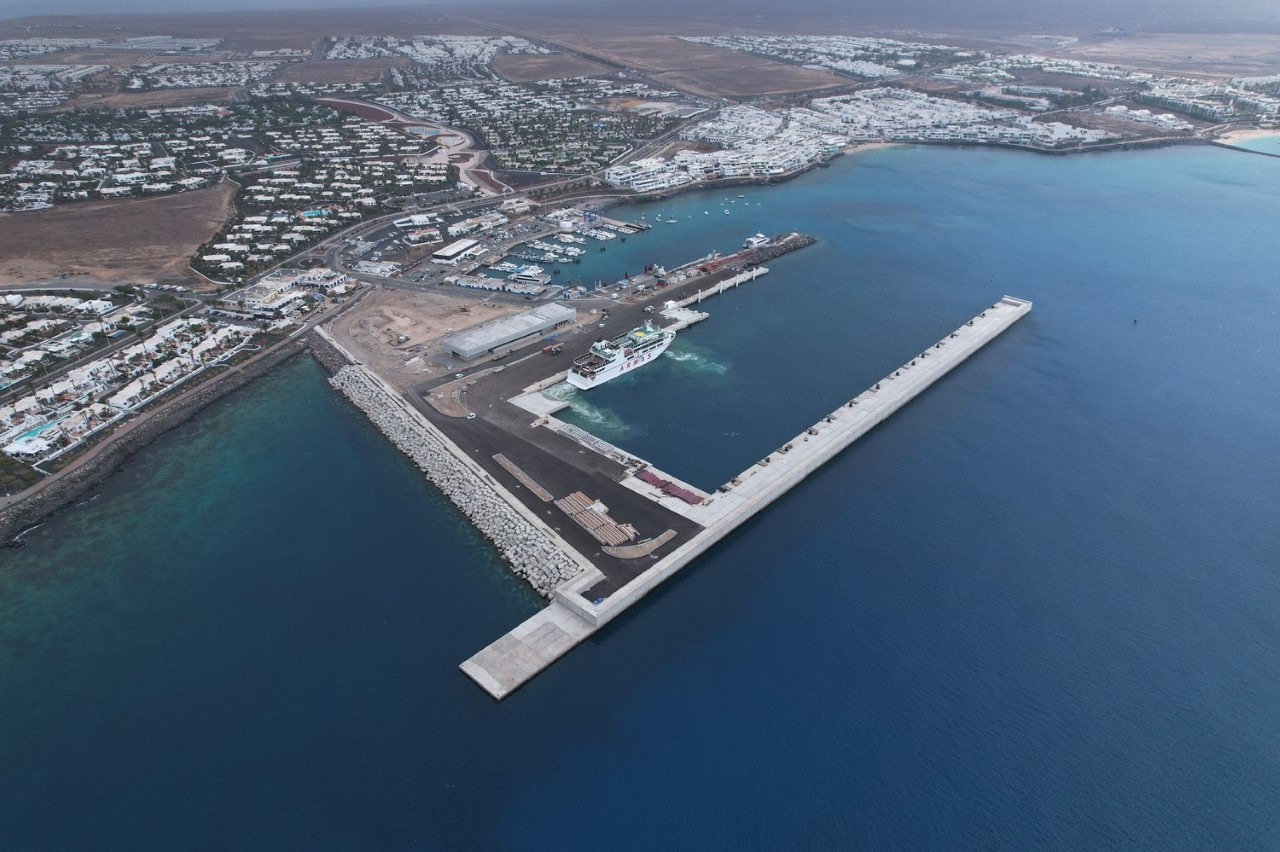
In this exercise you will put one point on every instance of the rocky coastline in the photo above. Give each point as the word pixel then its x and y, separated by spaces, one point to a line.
pixel 78 483
pixel 326 353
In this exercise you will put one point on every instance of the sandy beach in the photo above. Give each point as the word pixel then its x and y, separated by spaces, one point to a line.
pixel 1248 133
pixel 861 147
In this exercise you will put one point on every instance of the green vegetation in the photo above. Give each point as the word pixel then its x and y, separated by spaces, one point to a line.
pixel 1070 100
pixel 15 475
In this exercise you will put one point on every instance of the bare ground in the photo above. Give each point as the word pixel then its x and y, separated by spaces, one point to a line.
pixel 365 111
pixel 702 68
pixel 372 330
pixel 141 239
pixel 522 68
pixel 640 36
pixel 1224 54
pixel 341 70
pixel 112 58
pixel 245 30
pixel 147 100
pixel 773 78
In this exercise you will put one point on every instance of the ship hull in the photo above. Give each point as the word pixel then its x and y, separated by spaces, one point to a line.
pixel 618 367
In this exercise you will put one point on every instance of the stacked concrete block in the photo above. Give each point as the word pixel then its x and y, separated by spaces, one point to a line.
pixel 530 551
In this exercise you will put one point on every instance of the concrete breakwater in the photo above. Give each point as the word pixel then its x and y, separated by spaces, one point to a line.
pixel 78 482
pixel 513 659
pixel 719 287
pixel 530 548
pixel 746 258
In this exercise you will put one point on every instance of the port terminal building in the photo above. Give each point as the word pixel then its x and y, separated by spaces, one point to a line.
pixel 456 251
pixel 517 329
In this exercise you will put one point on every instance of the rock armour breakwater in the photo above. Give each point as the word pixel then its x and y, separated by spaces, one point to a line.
pixel 531 553
pixel 782 244
pixel 324 352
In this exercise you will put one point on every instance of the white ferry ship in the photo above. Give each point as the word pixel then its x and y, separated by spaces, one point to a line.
pixel 608 359
pixel 757 241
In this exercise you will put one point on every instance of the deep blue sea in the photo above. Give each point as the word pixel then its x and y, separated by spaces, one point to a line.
pixel 1037 609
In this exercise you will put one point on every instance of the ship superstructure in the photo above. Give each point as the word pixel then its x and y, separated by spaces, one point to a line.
pixel 609 359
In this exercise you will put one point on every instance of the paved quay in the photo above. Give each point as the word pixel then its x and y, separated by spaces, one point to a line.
pixel 505 665
pixel 578 610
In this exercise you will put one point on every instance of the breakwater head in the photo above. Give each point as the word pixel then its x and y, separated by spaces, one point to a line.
pixel 577 611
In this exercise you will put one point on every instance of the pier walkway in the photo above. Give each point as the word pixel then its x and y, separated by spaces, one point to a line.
pixel 575 614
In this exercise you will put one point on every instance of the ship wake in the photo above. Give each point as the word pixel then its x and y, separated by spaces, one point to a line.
pixel 696 363
pixel 600 422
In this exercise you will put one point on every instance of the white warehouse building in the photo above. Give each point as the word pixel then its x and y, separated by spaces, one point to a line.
pixel 507 330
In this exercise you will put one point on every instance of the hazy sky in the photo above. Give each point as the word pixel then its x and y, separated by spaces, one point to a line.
pixel 977 14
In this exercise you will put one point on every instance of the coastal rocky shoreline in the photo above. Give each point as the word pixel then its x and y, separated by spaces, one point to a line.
pixel 79 483
pixel 532 554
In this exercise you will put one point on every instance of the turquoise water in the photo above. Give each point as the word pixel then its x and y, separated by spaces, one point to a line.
pixel 1037 609
pixel 44 427
pixel 1266 144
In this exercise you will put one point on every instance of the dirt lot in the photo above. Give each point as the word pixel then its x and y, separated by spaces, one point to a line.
pixel 113 58
pixel 372 330
pixel 129 241
pixel 773 78
pixel 522 68
pixel 705 69
pixel 245 30
pixel 365 111
pixel 1229 54
pixel 342 70
pixel 147 100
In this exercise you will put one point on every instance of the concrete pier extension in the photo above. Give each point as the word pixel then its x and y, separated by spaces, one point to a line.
pixel 505 665
pixel 575 614
pixel 719 287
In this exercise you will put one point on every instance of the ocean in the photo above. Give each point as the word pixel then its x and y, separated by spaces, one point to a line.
pixel 1035 609
pixel 1265 144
